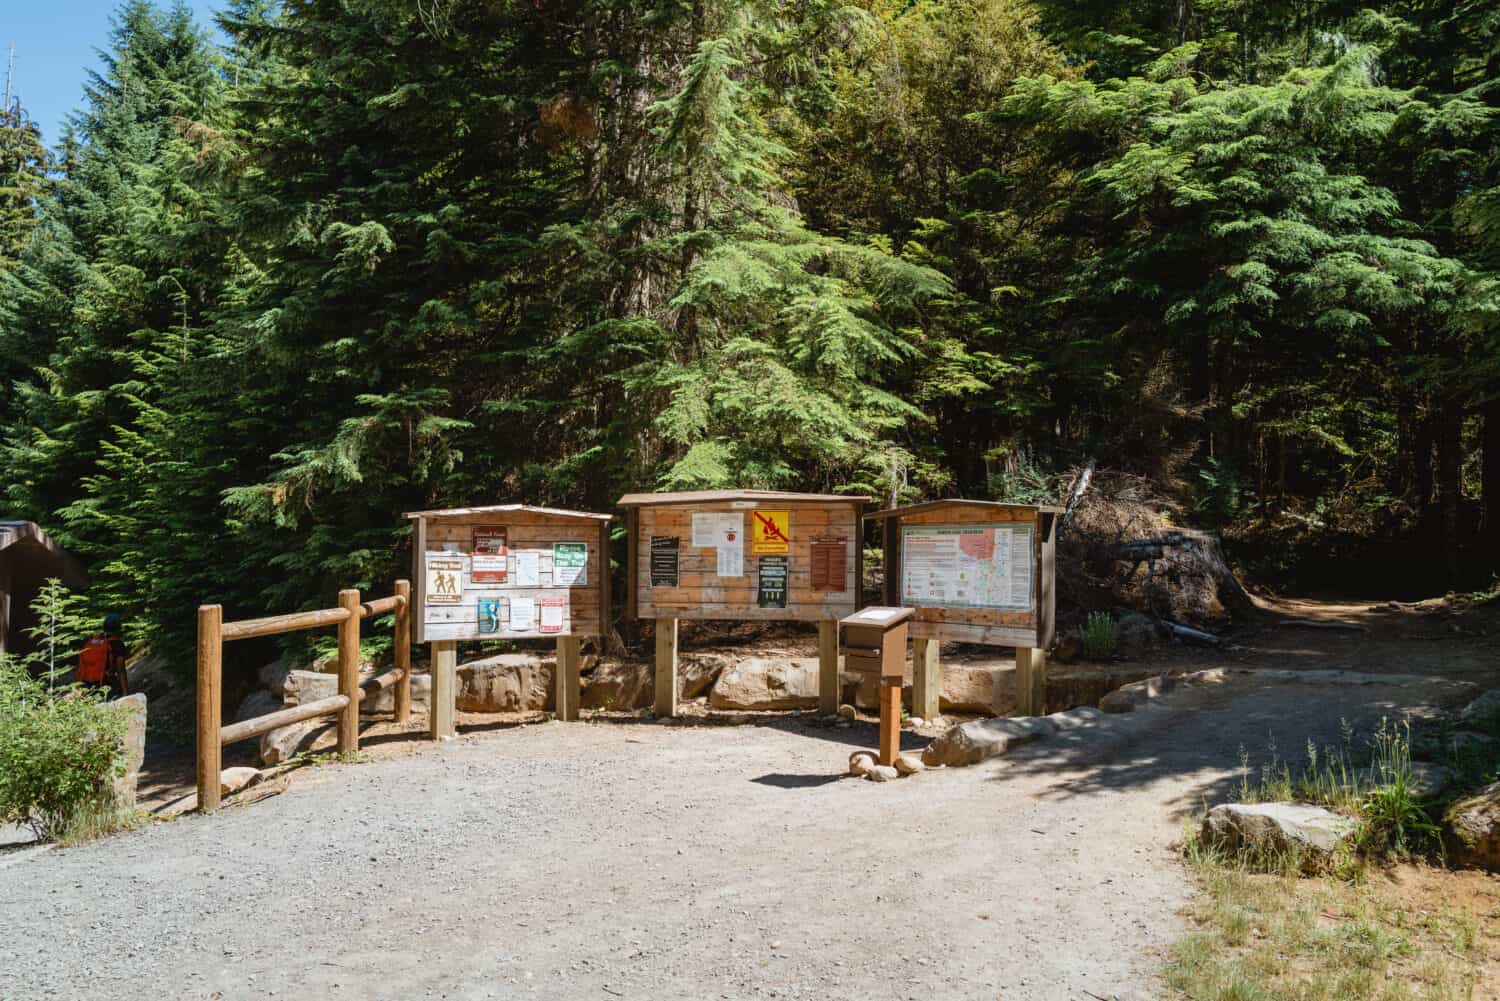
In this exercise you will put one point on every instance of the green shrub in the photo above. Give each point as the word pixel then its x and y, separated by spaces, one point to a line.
pixel 1100 636
pixel 59 752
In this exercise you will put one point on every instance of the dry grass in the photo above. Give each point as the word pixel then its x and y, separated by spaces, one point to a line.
pixel 1404 933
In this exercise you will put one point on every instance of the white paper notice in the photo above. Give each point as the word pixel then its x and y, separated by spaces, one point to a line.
pixel 712 527
pixel 554 611
pixel 522 614
pixel 528 569
pixel 731 555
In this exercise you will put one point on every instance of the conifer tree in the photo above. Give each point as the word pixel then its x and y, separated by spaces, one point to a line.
pixel 24 167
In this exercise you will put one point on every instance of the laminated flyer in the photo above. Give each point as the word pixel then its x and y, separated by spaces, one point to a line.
pixel 570 561
pixel 522 614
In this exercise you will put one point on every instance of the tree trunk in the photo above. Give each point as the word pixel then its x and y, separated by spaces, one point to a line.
pixel 1421 460
pixel 1490 458
pixel 1450 482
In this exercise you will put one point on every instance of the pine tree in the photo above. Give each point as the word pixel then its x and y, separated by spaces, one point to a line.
pixel 24 168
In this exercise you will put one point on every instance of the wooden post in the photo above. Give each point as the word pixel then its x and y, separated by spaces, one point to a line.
pixel 828 666
pixel 1031 681
pixel 565 678
pixel 210 710
pixel 927 674
pixel 402 641
pixel 890 720
pixel 349 672
pixel 666 667
pixel 441 713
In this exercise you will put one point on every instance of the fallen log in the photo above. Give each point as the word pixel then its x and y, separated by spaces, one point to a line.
pixel 1189 633
pixel 1319 624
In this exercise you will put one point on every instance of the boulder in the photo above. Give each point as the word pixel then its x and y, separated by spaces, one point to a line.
pixel 882 773
pixel 132 746
pixel 1471 745
pixel 258 703
pixel 281 745
pixel 1429 780
pixel 964 689
pixel 1083 684
pixel 273 676
pixel 698 672
pixel 301 687
pixel 506 683
pixel 1137 636
pixel 1483 710
pixel 1118 701
pixel 972 742
pixel 1310 835
pixel 1471 829
pixel 620 685
pixel 1068 649
pixel 762 683
pixel 232 780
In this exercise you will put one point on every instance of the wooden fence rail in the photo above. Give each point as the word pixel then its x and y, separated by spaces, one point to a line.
pixel 214 632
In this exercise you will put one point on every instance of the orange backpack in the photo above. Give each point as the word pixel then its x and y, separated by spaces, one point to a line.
pixel 93 662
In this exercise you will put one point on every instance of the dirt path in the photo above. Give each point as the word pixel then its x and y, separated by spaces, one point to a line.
pixel 619 860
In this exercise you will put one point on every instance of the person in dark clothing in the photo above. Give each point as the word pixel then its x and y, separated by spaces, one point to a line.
pixel 101 664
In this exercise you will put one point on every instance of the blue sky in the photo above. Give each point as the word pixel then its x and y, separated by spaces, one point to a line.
pixel 55 42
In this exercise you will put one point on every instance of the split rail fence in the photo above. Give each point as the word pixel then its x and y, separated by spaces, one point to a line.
pixel 214 632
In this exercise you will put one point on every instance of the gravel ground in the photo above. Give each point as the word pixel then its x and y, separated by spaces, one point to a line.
pixel 640 861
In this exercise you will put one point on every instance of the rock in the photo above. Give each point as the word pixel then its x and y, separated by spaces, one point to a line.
pixel 964 689
pixel 972 742
pixel 1472 745
pixel 506 683
pixel 258 703
pixel 909 764
pixel 1485 709
pixel 768 683
pixel 1118 701
pixel 1429 780
pixel 621 685
pixel 882 773
pixel 1072 719
pixel 1084 684
pixel 1310 834
pixel 232 780
pixel 1068 649
pixel 1137 636
pixel 916 723
pixel 860 763
pixel 273 677
pixel 282 744
pixel 697 673
pixel 300 687
pixel 930 756
pixel 1471 829
pixel 848 712
pixel 132 746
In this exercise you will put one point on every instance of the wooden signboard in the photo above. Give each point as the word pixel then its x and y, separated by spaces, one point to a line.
pixel 976 572
pixel 511 571
pixel 743 554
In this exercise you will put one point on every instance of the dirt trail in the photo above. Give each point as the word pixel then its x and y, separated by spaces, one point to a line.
pixel 647 861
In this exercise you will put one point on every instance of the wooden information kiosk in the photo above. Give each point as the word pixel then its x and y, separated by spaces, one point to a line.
pixel 504 572
pixel 743 554
pixel 976 572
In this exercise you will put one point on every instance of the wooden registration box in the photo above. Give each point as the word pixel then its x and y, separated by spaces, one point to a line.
pixel 509 571
pixel 875 641
pixel 743 554
pixel 975 571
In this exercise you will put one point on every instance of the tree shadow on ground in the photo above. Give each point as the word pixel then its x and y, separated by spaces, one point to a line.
pixel 1192 746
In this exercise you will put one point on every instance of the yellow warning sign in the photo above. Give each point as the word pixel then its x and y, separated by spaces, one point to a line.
pixel 770 532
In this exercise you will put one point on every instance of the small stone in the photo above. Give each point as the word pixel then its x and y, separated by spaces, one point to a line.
pixel 232 780
pixel 848 712
pixel 860 763
pixel 916 722
pixel 909 764
pixel 882 773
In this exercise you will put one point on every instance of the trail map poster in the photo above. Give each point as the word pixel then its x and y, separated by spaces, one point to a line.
pixel 967 566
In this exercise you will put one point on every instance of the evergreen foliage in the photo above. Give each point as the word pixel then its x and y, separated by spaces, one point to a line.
pixel 376 256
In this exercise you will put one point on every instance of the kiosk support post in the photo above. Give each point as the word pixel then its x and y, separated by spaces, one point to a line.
pixel 927 683
pixel 666 667
pixel 444 693
pixel 828 667
pixel 565 678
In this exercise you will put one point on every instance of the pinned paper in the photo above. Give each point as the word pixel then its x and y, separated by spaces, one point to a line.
pixel 528 568
pixel 445 578
pixel 570 561
pixel 489 615
pixel 554 612
pixel 522 614
pixel 490 554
